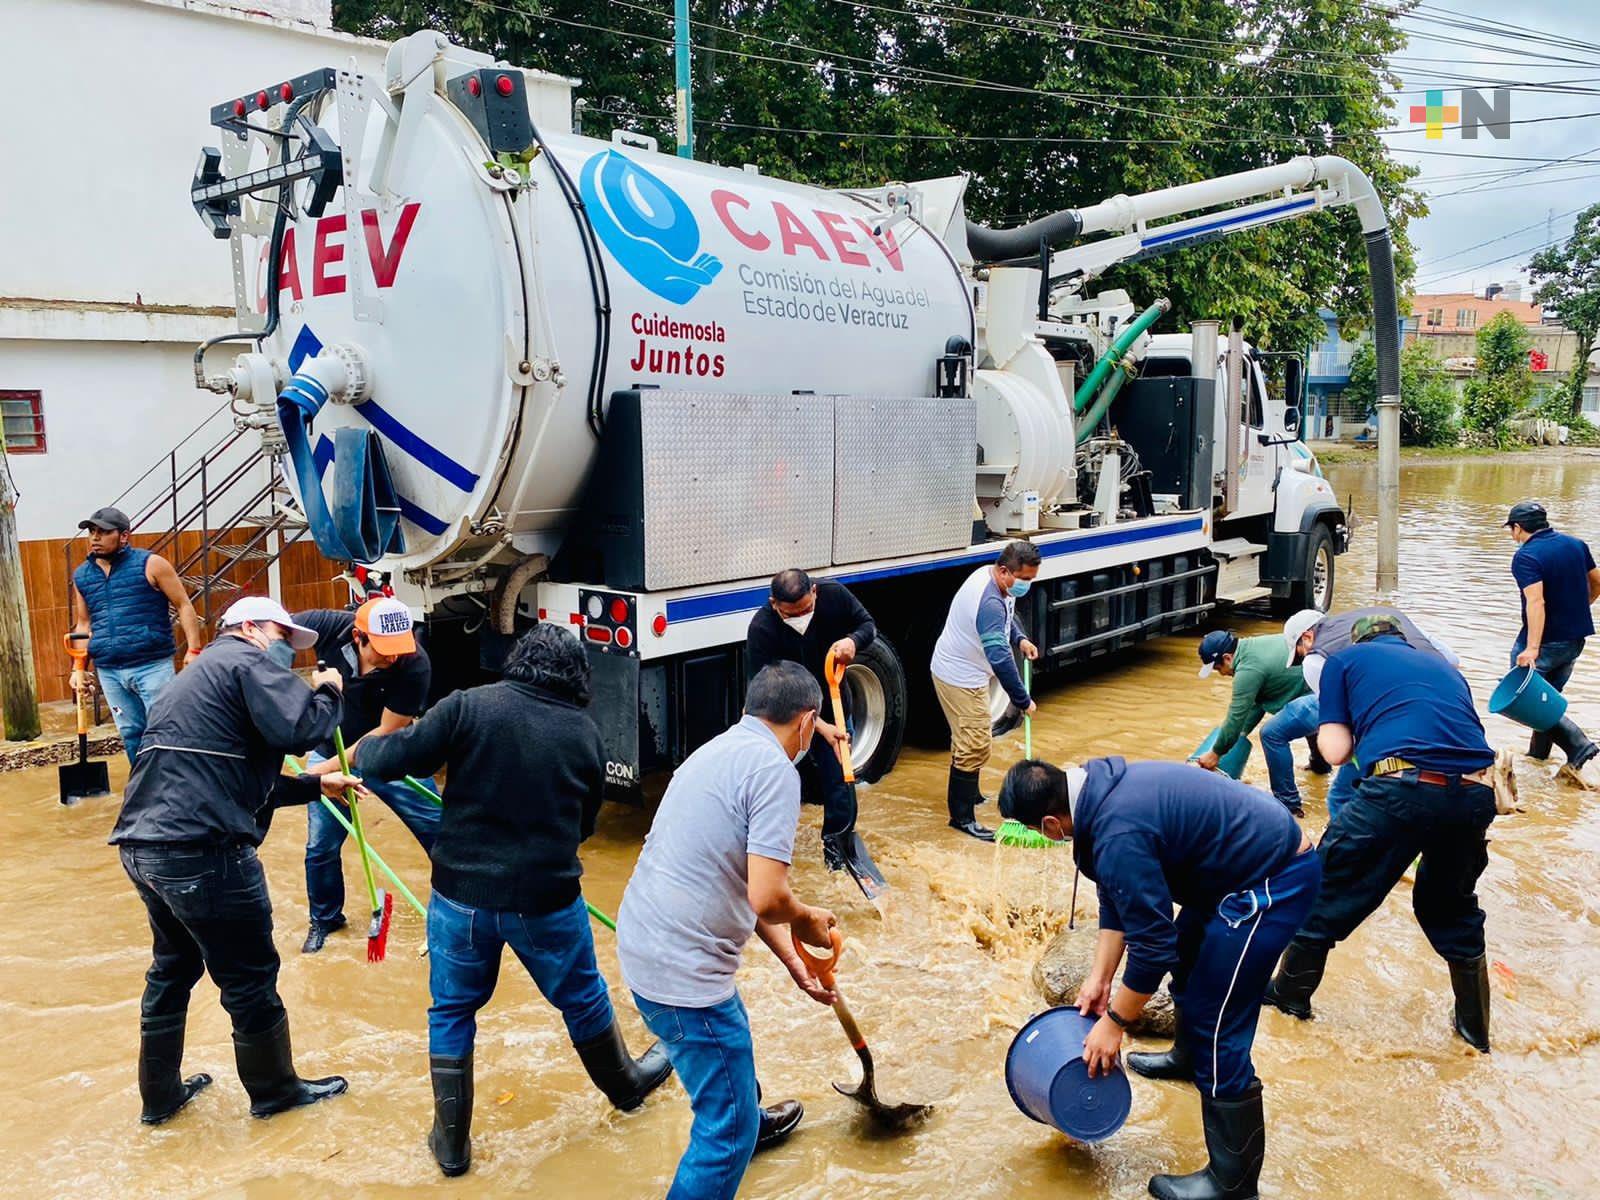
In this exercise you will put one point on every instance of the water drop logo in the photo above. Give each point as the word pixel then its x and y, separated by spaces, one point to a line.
pixel 647 227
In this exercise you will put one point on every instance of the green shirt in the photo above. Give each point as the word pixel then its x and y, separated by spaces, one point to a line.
pixel 1261 684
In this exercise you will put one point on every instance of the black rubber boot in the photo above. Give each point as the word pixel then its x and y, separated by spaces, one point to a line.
pixel 625 1080
pixel 1574 742
pixel 1176 1063
pixel 162 1088
pixel 266 1068
pixel 1299 973
pixel 318 933
pixel 778 1122
pixel 1236 1140
pixel 1317 765
pixel 451 1139
pixel 962 798
pixel 1470 982
pixel 1540 745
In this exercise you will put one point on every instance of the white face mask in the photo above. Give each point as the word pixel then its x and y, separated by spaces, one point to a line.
pixel 800 624
pixel 805 742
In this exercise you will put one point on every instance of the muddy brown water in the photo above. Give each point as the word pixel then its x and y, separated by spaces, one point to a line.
pixel 1375 1098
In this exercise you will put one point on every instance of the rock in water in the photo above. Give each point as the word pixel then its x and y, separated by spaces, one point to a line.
pixel 1064 966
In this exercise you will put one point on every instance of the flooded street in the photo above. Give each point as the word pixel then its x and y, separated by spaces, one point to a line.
pixel 1375 1098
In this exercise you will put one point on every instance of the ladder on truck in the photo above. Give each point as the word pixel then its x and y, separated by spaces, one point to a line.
pixel 221 511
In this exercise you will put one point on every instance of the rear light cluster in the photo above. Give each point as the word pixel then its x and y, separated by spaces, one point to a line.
pixel 264 99
pixel 608 620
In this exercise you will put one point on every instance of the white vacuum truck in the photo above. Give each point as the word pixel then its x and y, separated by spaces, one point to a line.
pixel 540 376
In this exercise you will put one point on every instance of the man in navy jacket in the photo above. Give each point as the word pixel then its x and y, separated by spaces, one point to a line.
pixel 1153 835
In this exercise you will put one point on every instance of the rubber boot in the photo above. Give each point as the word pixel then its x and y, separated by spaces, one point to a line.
pixel 162 1088
pixel 1470 982
pixel 625 1080
pixel 963 797
pixel 1540 745
pixel 266 1068
pixel 451 1139
pixel 1176 1063
pixel 1317 764
pixel 1236 1140
pixel 1574 742
pixel 1299 973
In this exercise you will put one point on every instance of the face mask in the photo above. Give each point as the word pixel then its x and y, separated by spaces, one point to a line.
pixel 800 624
pixel 281 652
pixel 1019 588
pixel 805 742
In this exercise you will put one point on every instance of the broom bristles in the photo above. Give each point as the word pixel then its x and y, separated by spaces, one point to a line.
pixel 378 931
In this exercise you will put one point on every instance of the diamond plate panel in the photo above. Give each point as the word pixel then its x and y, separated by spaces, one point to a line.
pixel 905 467
pixel 735 486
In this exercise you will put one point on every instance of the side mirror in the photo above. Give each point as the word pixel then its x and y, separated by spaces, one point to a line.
pixel 1294 392
pixel 1291 420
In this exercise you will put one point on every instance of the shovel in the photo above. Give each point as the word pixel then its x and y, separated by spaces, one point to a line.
pixel 890 1117
pixel 857 858
pixel 82 779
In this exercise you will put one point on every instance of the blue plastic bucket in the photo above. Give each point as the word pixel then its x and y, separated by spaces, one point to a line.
pixel 1049 1081
pixel 1527 698
pixel 1233 762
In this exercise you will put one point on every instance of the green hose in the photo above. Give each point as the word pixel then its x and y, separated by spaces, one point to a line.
pixel 1096 379
pixel 1090 421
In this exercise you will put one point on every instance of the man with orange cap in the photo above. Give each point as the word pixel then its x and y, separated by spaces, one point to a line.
pixel 386 680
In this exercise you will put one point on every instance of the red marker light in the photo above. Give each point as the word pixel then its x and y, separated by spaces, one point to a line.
pixel 597 633
pixel 543 614
pixel 619 611
pixel 474 86
pixel 659 625
pixel 624 638
pixel 286 92
pixel 238 108
pixel 263 101
pixel 503 85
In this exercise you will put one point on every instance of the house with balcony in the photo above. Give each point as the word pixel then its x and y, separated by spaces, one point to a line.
pixel 1329 414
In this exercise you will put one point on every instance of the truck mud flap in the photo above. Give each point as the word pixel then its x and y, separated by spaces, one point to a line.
pixel 614 679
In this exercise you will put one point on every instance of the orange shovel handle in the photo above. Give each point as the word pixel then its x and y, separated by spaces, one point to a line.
pixel 835 674
pixel 822 968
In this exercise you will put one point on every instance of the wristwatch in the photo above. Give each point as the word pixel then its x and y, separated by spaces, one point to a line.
pixel 1117 1019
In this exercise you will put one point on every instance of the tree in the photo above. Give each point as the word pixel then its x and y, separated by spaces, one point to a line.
pixel 1503 384
pixel 1046 104
pixel 1566 280
pixel 19 693
pixel 1427 397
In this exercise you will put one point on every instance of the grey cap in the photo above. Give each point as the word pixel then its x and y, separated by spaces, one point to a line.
pixel 106 519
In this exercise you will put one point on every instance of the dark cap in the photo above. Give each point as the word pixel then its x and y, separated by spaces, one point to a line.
pixel 1213 646
pixel 1367 628
pixel 1529 514
pixel 106 519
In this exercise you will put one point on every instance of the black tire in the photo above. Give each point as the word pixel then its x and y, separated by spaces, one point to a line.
pixel 1314 588
pixel 876 683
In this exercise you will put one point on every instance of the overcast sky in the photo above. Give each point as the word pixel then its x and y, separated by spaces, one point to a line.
pixel 1450 253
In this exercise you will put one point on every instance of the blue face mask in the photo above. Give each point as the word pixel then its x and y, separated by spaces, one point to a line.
pixel 1019 588
pixel 281 652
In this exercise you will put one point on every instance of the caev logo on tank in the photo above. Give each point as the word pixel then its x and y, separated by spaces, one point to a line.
pixel 647 227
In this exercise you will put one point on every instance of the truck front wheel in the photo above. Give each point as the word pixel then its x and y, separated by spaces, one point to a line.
pixel 875 694
pixel 1315 588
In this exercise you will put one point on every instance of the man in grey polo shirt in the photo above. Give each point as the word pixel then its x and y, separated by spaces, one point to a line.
pixel 714 870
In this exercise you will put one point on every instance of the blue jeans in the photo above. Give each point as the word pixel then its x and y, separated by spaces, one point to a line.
pixel 1225 958
pixel 130 691
pixel 325 838
pixel 1555 661
pixel 1295 720
pixel 556 948
pixel 1343 788
pixel 711 1052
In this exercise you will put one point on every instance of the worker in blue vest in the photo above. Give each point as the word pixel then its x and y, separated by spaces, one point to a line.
pixel 1155 835
pixel 1406 715
pixel 122 598
pixel 1557 583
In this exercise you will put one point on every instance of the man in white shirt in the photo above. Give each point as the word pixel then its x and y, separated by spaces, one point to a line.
pixel 980 633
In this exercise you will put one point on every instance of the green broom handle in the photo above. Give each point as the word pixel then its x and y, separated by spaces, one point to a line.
pixel 433 797
pixel 338 816
pixel 358 831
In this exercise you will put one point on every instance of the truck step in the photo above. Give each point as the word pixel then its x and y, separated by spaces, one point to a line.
pixel 1245 595
pixel 1237 548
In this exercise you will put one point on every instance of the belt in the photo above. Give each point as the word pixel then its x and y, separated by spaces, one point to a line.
pixel 1397 766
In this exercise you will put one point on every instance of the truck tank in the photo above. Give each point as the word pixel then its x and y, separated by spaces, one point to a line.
pixel 487 312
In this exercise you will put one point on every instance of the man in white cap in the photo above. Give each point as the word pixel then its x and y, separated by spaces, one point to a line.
pixel 208 777
pixel 386 680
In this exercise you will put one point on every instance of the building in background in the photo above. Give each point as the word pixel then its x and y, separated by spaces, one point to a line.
pixel 1329 413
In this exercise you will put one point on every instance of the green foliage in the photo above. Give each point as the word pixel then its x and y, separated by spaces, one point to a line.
pixel 1427 397
pixel 1503 383
pixel 1566 280
pixel 1047 104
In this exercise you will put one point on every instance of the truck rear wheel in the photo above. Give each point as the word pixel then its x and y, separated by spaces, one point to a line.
pixel 875 693
pixel 1315 588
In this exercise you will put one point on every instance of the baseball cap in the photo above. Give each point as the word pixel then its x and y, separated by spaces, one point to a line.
pixel 1295 626
pixel 263 609
pixel 1367 628
pixel 1213 646
pixel 387 624
pixel 114 518
pixel 1529 514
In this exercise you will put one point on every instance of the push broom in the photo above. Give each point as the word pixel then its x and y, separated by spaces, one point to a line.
pixel 1013 832
pixel 382 901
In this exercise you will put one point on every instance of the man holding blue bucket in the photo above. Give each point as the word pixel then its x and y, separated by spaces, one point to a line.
pixel 1153 835
pixel 1558 582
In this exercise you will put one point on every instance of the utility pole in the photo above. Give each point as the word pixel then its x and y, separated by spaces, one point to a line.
pixel 685 105
pixel 19 695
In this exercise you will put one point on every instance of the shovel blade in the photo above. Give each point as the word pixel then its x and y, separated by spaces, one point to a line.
pixel 858 861
pixel 83 780
pixel 889 1117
